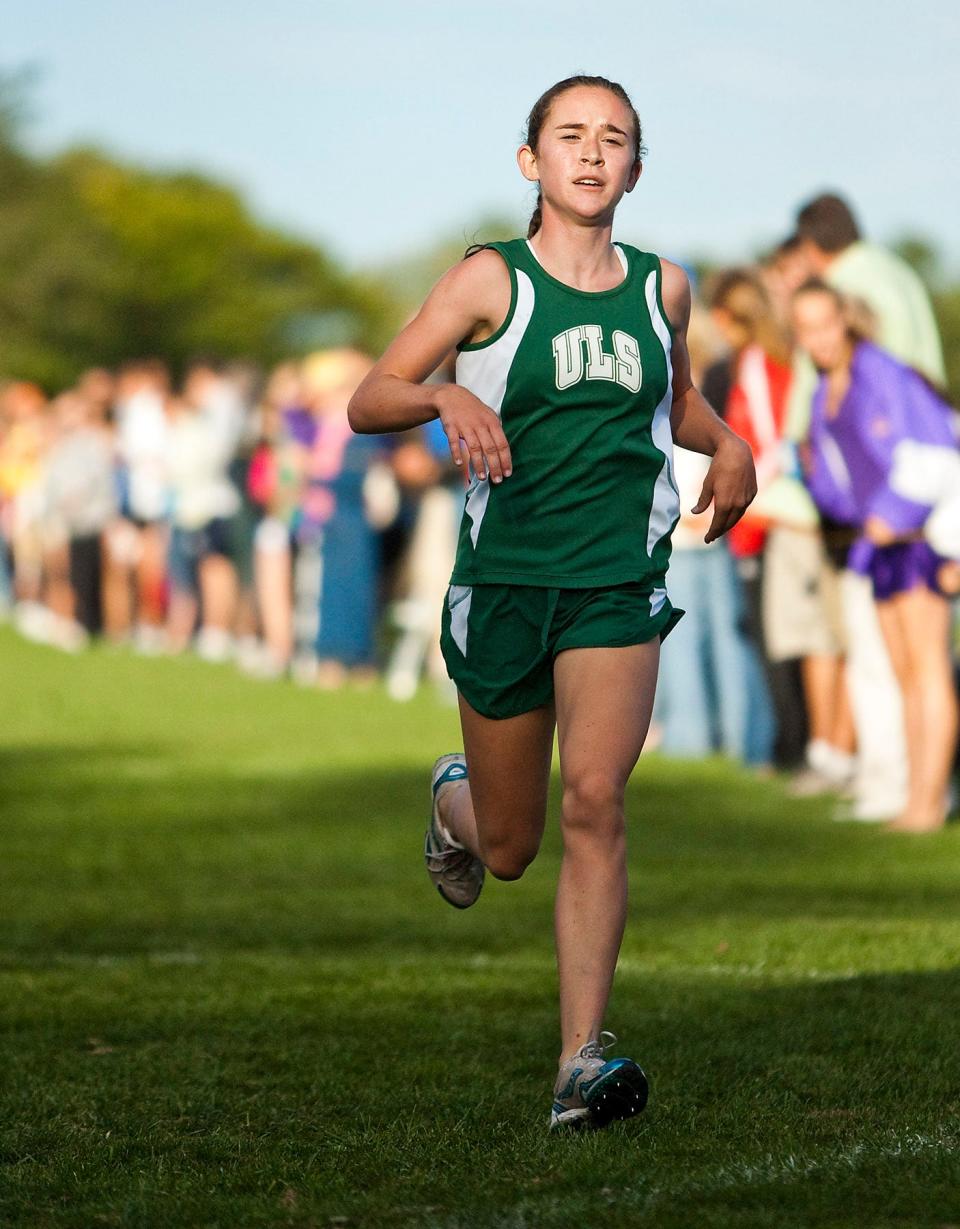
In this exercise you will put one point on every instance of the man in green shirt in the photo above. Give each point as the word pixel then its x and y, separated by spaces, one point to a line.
pixel 895 297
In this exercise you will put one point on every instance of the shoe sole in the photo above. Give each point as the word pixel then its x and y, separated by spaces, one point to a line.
pixel 454 903
pixel 620 1093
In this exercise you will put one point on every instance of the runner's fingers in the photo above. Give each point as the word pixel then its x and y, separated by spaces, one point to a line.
pixel 725 516
pixel 706 494
pixel 503 449
pixel 476 456
pixel 492 453
pixel 454 440
pixel 718 527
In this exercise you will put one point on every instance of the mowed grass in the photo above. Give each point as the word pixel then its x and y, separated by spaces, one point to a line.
pixel 229 996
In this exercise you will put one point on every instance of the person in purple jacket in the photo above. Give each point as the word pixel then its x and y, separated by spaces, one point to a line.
pixel 868 409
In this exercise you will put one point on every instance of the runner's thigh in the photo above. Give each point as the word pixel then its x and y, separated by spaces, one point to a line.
pixel 508 761
pixel 604 699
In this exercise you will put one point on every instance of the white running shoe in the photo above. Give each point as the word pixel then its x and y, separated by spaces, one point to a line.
pixel 592 1091
pixel 456 873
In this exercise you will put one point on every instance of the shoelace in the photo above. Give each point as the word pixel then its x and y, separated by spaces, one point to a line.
pixel 597 1049
pixel 592 1050
pixel 455 863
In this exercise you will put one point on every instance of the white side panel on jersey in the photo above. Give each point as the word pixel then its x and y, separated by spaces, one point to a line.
pixel 657 598
pixel 459 599
pixel 484 372
pixel 665 508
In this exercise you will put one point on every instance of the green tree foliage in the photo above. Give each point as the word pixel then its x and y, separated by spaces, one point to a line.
pixel 100 262
pixel 923 255
pixel 946 303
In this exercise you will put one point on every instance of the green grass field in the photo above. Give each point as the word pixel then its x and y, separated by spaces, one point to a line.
pixel 230 997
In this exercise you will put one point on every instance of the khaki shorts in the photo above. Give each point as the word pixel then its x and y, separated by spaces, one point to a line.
pixel 802 610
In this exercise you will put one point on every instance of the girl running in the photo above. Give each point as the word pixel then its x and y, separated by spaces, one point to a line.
pixel 572 382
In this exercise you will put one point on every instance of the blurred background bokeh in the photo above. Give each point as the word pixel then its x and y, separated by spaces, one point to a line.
pixel 213 221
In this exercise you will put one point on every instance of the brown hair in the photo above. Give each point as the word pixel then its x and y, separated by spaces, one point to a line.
pixel 828 222
pixel 538 115
pixel 741 293
pixel 859 319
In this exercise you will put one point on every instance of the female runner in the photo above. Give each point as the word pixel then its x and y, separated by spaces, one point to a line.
pixel 572 375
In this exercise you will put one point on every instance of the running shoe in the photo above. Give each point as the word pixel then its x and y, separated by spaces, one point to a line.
pixel 592 1091
pixel 458 875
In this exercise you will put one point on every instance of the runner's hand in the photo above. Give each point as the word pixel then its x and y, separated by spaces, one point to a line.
pixel 474 433
pixel 731 484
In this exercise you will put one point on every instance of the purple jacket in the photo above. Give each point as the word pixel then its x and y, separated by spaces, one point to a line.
pixel 852 453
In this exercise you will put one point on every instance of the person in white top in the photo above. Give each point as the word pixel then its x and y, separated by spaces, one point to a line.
pixel 204 432
pixel 136 542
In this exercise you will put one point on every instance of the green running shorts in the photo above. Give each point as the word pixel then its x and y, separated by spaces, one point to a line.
pixel 499 641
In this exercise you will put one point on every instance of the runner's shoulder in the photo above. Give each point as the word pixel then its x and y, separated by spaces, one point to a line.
pixel 480 272
pixel 476 289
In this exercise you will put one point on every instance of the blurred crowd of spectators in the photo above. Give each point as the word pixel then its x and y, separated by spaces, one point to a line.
pixel 238 516
pixel 818 634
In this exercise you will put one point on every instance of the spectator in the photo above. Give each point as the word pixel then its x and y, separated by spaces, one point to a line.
pixel 204 431
pixel 80 502
pixel 338 512
pixel 23 410
pixel 866 409
pixel 273 485
pixel 137 543
pixel 755 409
pixel 830 239
pixel 711 695
pixel 887 291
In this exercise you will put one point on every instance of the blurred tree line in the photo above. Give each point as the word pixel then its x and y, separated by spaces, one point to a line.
pixel 102 262
pixel 409 280
pixel 926 260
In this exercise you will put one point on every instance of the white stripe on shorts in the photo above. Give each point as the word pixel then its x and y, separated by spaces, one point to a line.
pixel 458 602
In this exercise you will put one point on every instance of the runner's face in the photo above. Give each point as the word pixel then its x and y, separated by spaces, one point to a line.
pixel 821 330
pixel 586 153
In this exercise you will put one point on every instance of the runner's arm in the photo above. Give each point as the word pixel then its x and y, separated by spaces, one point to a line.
pixel 469 302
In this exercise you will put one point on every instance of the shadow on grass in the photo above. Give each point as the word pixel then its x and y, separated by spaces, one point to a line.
pixel 123 848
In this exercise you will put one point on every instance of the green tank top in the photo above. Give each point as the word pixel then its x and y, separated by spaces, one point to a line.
pixel 582 383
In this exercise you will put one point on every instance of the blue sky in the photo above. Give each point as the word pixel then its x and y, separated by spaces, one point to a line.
pixel 376 127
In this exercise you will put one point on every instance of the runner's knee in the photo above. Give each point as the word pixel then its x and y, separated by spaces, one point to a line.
pixel 506 860
pixel 593 803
